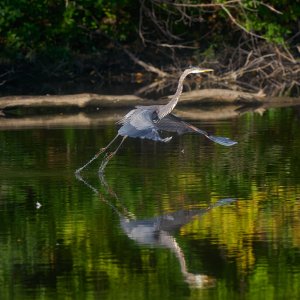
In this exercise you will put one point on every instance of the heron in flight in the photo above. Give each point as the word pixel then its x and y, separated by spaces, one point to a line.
pixel 146 122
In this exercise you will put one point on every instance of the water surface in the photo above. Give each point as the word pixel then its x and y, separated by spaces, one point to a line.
pixel 185 220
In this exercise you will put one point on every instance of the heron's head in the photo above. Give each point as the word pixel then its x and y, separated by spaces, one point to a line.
pixel 196 70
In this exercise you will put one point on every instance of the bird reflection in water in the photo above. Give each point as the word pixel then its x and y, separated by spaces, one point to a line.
pixel 159 231
pixel 146 122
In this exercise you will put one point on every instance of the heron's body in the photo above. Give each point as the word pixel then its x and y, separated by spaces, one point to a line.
pixel 146 122
pixel 142 122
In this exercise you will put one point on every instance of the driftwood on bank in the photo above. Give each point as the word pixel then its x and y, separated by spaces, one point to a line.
pixel 118 101
pixel 109 116
pixel 220 96
pixel 82 119
pixel 212 96
pixel 59 120
pixel 78 100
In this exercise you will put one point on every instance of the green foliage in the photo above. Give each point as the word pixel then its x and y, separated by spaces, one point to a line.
pixel 28 28
pixel 273 20
pixel 59 28
pixel 275 26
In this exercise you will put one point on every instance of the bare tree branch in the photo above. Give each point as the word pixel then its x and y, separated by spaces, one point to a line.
pixel 146 66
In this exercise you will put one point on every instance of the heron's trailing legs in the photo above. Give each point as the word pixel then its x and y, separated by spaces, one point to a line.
pixel 97 155
pixel 109 156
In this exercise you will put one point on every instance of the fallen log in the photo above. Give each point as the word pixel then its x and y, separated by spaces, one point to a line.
pixel 83 120
pixel 109 116
pixel 78 100
pixel 221 96
pixel 212 96
pixel 86 99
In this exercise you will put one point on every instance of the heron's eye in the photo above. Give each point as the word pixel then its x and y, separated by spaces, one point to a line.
pixel 155 117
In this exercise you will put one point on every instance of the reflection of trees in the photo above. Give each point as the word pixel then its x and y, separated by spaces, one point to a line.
pixel 257 244
pixel 159 231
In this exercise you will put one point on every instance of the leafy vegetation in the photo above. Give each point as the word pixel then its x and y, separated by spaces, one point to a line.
pixel 62 28
pixel 250 44
pixel 59 28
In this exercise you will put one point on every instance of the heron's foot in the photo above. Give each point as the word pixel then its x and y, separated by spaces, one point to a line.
pixel 105 161
pixel 78 176
pixel 110 155
pixel 102 167
pixel 77 172
pixel 101 150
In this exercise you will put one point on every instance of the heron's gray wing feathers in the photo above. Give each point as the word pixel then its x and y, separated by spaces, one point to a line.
pixel 224 141
pixel 139 123
pixel 147 133
pixel 173 124
pixel 126 117
pixel 139 117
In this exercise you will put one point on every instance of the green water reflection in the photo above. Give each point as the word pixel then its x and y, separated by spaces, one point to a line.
pixel 75 245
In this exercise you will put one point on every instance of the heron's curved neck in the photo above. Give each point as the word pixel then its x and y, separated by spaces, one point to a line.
pixel 170 106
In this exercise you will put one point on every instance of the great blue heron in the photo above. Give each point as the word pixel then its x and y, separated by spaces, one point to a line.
pixel 145 122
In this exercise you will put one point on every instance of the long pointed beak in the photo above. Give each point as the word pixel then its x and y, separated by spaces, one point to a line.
pixel 206 70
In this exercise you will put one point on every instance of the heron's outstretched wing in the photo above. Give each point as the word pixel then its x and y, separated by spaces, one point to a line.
pixel 139 123
pixel 172 123
pixel 225 141
pixel 175 124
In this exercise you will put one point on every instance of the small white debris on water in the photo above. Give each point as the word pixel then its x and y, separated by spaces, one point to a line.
pixel 38 205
